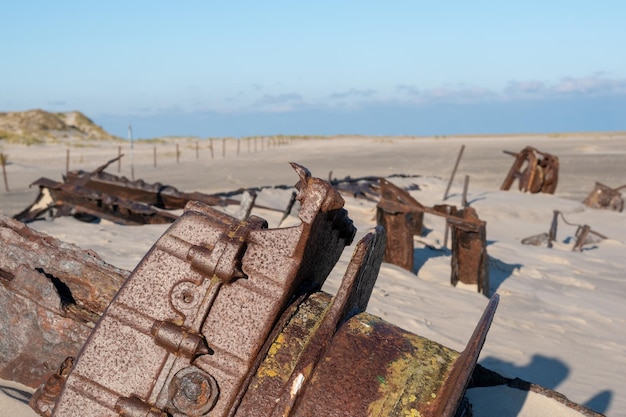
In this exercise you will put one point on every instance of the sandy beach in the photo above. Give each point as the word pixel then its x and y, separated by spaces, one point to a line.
pixel 562 314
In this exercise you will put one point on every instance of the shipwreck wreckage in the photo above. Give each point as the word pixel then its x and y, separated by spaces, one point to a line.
pixel 226 317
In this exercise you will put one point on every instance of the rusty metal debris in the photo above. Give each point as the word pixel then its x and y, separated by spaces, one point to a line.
pixel 364 187
pixel 403 217
pixel 99 195
pixel 584 234
pixel 469 251
pixel 55 291
pixel 536 171
pixel 224 317
pixel 605 197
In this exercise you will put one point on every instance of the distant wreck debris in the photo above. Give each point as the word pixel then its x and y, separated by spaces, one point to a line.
pixel 403 217
pixel 364 187
pixel 604 197
pixel 537 172
pixel 584 234
pixel 99 195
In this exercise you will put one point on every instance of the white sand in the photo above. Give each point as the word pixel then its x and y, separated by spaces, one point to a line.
pixel 562 317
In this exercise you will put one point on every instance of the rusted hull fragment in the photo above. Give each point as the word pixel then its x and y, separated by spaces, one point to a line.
pixel 51 295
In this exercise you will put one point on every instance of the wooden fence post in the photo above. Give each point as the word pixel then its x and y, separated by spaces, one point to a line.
pixel 4 171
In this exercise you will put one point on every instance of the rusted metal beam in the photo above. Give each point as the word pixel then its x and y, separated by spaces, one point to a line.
pixel 74 199
pixel 51 295
pixel 536 171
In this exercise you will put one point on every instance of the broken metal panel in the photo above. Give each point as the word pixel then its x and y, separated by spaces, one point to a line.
pixel 55 291
pixel 605 197
pixel 536 171
pixel 469 251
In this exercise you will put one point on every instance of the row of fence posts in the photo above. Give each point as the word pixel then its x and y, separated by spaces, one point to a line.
pixel 271 142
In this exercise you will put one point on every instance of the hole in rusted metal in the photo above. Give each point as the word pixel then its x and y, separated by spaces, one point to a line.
pixel 6 275
pixel 65 294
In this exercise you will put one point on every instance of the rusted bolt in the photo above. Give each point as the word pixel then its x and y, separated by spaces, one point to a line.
pixel 193 392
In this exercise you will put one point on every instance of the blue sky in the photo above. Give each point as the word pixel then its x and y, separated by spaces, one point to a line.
pixel 240 68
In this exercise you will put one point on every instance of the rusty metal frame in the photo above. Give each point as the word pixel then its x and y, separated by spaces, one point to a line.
pixel 536 171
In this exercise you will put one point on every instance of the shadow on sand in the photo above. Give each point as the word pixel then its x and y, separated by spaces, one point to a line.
pixel 16 393
pixel 547 372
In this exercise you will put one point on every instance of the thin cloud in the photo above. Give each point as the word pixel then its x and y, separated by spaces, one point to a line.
pixel 57 103
pixel 525 88
pixel 454 94
pixel 591 85
pixel 278 102
pixel 353 93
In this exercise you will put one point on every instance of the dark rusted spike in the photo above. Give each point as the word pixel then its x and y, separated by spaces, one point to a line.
pixel 553 227
pixel 449 397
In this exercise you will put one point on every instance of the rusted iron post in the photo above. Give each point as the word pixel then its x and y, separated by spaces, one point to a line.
pixel 119 161
pixel 4 172
pixel 67 160
pixel 212 153
pixel 255 145
pixel 224 148
pixel 469 251
pixel 605 197
pixel 55 291
pixel 400 215
pixel 456 166
pixel 536 171
pixel 464 202
pixel 582 234
pixel 553 227
pixel 248 142
pixel 177 154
